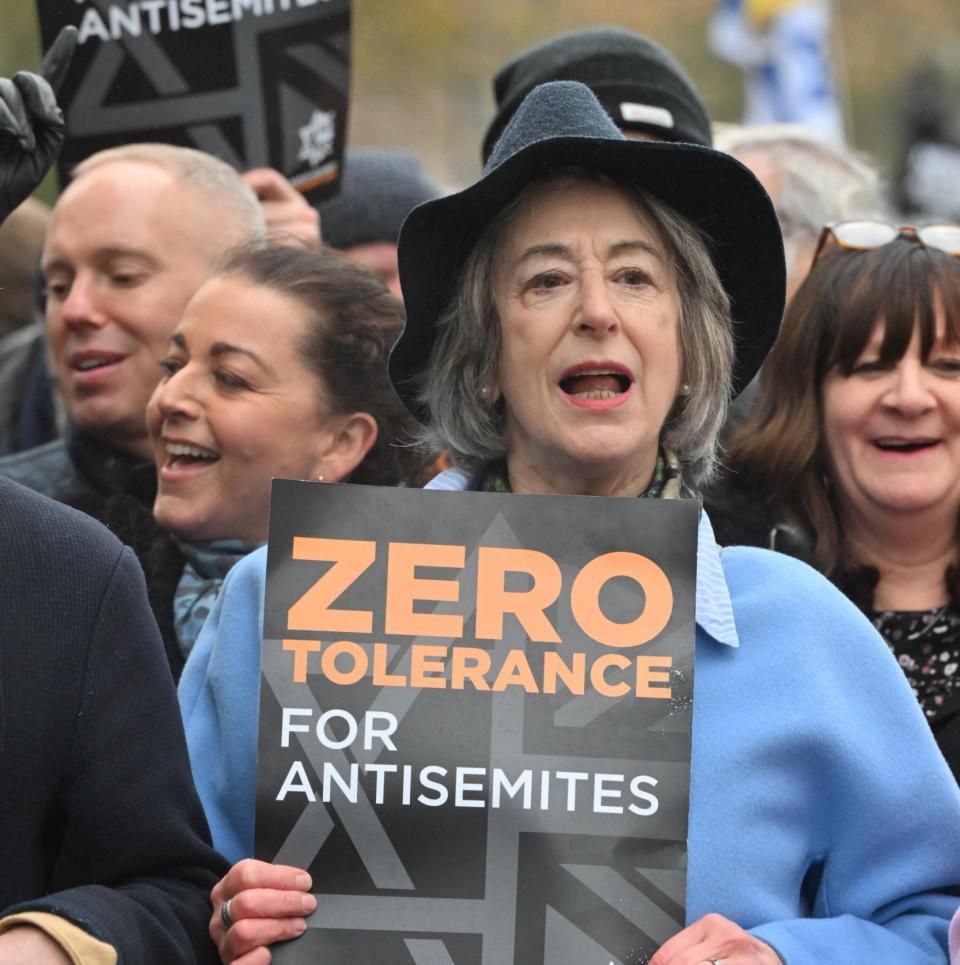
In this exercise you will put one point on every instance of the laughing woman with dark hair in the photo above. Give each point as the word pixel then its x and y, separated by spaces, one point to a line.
pixel 277 369
pixel 575 323
pixel 851 457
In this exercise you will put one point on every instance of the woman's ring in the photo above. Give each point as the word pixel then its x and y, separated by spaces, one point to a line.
pixel 225 915
pixel 714 961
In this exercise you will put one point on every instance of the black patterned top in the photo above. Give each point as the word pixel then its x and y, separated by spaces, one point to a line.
pixel 926 644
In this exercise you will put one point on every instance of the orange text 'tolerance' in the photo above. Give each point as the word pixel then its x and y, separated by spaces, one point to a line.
pixel 456 667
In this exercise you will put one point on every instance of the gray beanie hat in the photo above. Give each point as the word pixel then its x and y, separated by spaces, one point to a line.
pixel 639 84
pixel 378 190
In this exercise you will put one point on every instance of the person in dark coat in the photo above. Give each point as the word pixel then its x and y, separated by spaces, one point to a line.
pixel 103 843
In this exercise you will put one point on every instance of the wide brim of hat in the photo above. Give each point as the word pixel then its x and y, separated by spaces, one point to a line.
pixel 715 191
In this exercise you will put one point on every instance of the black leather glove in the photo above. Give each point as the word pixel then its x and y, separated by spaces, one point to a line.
pixel 31 125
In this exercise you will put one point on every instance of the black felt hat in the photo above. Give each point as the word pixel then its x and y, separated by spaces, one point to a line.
pixel 561 125
pixel 641 86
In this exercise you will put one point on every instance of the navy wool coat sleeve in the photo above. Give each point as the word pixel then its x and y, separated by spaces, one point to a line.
pixel 99 819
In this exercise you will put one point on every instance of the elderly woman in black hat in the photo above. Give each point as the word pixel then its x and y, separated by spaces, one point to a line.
pixel 575 322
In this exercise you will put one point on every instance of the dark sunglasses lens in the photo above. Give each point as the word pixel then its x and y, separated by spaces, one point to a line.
pixel 946 237
pixel 864 234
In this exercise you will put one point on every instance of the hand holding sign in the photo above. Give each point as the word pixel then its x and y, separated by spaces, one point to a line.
pixel 284 207
pixel 31 124
pixel 267 903
pixel 715 938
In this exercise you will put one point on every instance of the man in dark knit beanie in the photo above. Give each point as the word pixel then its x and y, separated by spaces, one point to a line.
pixel 641 86
pixel 377 191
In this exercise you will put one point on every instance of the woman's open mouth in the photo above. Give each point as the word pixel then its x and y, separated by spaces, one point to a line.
pixel 899 445
pixel 186 459
pixel 594 386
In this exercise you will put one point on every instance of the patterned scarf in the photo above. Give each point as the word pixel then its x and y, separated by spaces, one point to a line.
pixel 206 567
pixel 666 483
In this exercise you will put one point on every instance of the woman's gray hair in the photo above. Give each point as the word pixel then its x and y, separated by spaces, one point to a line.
pixel 464 363
pixel 819 182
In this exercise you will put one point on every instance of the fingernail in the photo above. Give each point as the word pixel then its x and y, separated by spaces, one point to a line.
pixel 308 903
pixel 304 882
pixel 300 925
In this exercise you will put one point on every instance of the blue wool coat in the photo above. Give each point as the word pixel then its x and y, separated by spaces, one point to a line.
pixel 822 816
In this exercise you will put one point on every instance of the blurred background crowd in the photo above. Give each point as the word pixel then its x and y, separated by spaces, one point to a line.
pixel 894 60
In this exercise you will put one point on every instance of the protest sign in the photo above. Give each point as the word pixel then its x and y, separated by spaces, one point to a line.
pixel 475 722
pixel 254 82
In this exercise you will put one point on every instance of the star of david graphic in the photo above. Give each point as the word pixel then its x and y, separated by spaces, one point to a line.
pixel 271 71
pixel 316 138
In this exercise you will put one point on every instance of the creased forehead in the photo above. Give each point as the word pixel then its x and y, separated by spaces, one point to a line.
pixel 535 200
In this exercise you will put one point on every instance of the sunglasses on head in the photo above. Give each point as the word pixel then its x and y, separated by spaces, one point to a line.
pixel 864 235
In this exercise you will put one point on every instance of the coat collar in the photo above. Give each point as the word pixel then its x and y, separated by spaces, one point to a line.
pixel 108 470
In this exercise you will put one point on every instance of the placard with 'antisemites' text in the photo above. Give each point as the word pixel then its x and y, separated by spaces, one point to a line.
pixel 475 722
pixel 254 82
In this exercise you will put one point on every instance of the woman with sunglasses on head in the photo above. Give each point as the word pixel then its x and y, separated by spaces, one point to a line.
pixel 851 457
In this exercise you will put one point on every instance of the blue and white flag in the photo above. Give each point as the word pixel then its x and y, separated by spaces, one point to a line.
pixel 783 46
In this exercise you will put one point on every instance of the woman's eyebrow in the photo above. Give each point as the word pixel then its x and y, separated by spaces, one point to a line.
pixel 615 249
pixel 627 247
pixel 227 348
pixel 555 250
